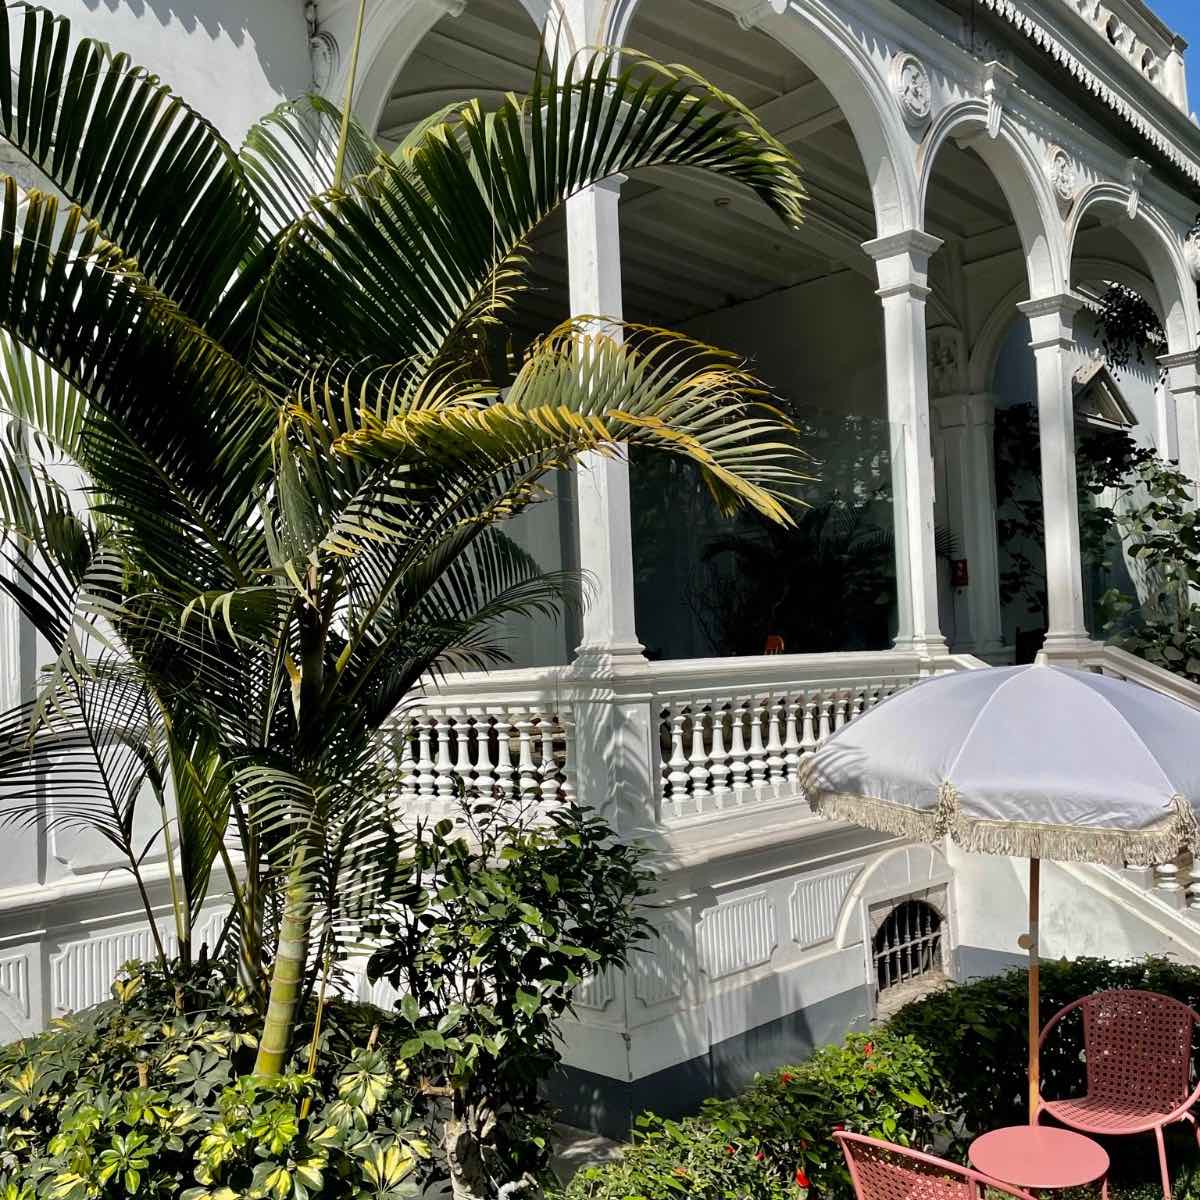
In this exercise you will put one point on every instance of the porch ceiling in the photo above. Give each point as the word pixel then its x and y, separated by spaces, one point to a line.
pixel 690 245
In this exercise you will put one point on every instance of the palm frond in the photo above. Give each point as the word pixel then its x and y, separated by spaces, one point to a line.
pixel 402 263
pixel 156 176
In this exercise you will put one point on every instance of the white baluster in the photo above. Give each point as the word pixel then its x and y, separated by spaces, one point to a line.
pixel 426 779
pixel 406 729
pixel 775 760
pixel 839 710
pixel 485 781
pixel 856 703
pixel 445 764
pixel 824 728
pixel 462 752
pixel 504 763
pixel 1166 877
pixel 525 765
pixel 720 756
pixel 791 742
pixel 737 750
pixel 758 755
pixel 548 769
pixel 808 737
pixel 677 765
pixel 570 783
pixel 698 757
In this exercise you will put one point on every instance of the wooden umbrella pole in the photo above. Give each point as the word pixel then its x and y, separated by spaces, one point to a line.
pixel 1035 1025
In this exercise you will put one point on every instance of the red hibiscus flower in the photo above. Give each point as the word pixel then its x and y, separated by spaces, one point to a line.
pixel 785 1077
pixel 730 1149
pixel 801 1178
pixel 869 1048
pixel 839 1127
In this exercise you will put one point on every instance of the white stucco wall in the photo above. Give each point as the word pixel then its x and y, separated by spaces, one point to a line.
pixel 1084 911
pixel 234 60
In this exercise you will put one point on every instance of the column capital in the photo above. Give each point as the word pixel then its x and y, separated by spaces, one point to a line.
pixel 1052 318
pixel 902 263
pixel 611 183
pixel 911 242
pixel 1184 359
pixel 965 408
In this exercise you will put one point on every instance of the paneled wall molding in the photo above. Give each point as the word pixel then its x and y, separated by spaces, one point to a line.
pixel 737 935
pixel 816 903
pixel 14 981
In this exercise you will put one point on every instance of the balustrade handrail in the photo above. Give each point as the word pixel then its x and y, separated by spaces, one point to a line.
pixel 1111 660
pixel 641 677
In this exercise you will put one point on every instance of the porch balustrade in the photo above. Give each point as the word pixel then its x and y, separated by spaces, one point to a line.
pixel 716 735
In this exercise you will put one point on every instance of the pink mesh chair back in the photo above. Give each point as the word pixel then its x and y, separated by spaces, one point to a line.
pixel 882 1171
pixel 1138 1048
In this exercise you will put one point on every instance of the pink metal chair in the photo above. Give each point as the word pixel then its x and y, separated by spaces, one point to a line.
pixel 882 1171
pixel 1138 1054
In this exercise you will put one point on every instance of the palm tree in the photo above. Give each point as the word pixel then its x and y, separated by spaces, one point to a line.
pixel 298 465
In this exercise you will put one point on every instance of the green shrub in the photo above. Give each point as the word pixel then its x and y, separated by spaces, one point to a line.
pixel 502 914
pixel 691 1158
pixel 976 1032
pixel 944 1068
pixel 778 1133
pixel 147 1095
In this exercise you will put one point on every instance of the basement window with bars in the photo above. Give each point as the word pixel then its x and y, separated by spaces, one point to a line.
pixel 907 951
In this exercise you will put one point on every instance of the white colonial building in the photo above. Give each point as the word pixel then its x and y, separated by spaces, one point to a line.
pixel 979 172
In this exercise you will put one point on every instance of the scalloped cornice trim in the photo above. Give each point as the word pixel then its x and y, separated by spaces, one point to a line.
pixel 1046 41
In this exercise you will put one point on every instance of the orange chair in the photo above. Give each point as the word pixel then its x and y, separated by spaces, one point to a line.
pixel 881 1171
pixel 774 644
pixel 1138 1051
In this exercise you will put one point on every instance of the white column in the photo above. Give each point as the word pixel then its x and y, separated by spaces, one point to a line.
pixel 615 733
pixel 965 427
pixel 1183 399
pixel 1051 321
pixel 902 263
pixel 605 533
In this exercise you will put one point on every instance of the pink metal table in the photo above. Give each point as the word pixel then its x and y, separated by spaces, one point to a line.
pixel 1040 1156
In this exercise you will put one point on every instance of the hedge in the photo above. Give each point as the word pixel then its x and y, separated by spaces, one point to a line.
pixel 943 1068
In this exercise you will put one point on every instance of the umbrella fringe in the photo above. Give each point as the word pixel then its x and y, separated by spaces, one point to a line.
pixel 880 815
pixel 1062 843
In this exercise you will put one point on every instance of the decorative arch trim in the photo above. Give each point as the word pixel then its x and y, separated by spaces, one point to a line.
pixel 1021 177
pixel 895 873
pixel 822 41
pixel 394 31
pixel 1162 247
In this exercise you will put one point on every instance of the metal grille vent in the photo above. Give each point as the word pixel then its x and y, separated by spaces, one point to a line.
pixel 907 944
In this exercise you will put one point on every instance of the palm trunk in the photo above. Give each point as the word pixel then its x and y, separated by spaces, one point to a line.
pixel 287 974
pixel 464 1158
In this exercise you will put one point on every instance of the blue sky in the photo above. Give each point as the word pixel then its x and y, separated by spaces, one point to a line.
pixel 1184 17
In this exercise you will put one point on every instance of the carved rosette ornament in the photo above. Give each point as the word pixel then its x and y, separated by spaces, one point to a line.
pixel 913 91
pixel 1063 176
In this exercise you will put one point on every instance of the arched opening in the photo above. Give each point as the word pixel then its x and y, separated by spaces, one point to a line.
pixel 801 308
pixel 484 51
pixel 981 200
pixel 1126 423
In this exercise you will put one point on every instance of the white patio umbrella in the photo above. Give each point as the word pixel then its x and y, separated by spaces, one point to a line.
pixel 1036 761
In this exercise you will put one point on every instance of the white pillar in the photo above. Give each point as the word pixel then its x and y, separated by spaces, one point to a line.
pixel 615 735
pixel 902 263
pixel 965 434
pixel 605 532
pixel 1051 322
pixel 1183 397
